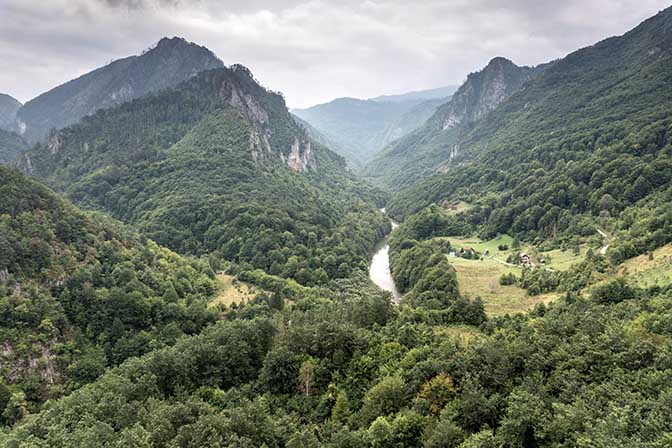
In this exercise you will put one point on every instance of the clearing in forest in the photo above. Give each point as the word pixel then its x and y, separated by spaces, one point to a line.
pixel 231 290
pixel 646 270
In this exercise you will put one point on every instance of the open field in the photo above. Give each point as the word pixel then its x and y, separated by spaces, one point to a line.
pixel 562 260
pixel 480 278
pixel 556 259
pixel 232 290
pixel 481 246
pixel 455 207
pixel 645 272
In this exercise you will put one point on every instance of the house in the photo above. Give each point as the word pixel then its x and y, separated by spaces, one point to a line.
pixel 526 260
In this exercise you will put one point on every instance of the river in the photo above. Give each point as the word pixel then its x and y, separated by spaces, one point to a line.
pixel 379 269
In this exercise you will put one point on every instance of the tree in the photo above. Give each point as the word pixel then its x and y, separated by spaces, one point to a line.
pixel 307 377
pixel 341 410
pixel 385 398
pixel 16 408
pixel 5 396
pixel 438 391
pixel 281 367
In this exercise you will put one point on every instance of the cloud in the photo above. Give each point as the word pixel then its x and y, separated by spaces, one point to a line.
pixel 312 50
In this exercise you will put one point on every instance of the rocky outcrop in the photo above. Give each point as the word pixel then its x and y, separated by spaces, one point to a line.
pixel 300 157
pixel 482 92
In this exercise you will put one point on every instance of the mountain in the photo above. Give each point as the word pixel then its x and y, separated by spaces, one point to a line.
pixel 218 166
pixel 80 292
pixel 587 140
pixel 8 108
pixel 422 151
pixel 360 128
pixel 418 95
pixel 11 146
pixel 171 61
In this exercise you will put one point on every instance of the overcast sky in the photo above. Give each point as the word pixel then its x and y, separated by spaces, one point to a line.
pixel 312 51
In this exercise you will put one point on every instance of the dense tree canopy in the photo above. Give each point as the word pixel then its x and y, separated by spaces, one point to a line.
pixel 204 168
pixel 79 292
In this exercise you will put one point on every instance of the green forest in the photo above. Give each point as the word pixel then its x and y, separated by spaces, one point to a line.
pixel 182 167
pixel 198 268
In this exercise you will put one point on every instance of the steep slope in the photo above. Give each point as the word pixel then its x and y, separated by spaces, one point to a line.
pixel 421 152
pixel 79 292
pixel 411 120
pixel 219 165
pixel 360 128
pixel 11 146
pixel 8 108
pixel 167 64
pixel 588 138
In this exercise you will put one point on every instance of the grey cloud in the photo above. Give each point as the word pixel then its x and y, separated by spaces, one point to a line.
pixel 312 50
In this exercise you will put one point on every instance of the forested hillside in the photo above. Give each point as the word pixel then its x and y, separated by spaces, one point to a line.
pixel 588 139
pixel 187 267
pixel 218 165
pixel 360 128
pixel 79 293
pixel 346 369
pixel 419 153
pixel 169 62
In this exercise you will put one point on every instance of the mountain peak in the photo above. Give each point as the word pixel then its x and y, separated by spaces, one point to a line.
pixel 482 92
pixel 170 62
pixel 171 42
pixel 499 61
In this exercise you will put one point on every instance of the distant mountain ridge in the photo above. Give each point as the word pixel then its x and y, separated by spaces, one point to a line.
pixel 418 95
pixel 360 128
pixel 170 62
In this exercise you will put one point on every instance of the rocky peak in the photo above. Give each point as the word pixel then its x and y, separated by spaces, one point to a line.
pixel 267 112
pixel 482 92
pixel 169 62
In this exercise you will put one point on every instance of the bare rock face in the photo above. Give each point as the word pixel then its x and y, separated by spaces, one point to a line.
pixel 483 91
pixel 54 143
pixel 243 102
pixel 236 94
pixel 300 157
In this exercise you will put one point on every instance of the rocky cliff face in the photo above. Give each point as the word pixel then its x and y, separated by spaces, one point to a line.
pixel 482 92
pixel 170 62
pixel 8 108
pixel 242 92
pixel 437 145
